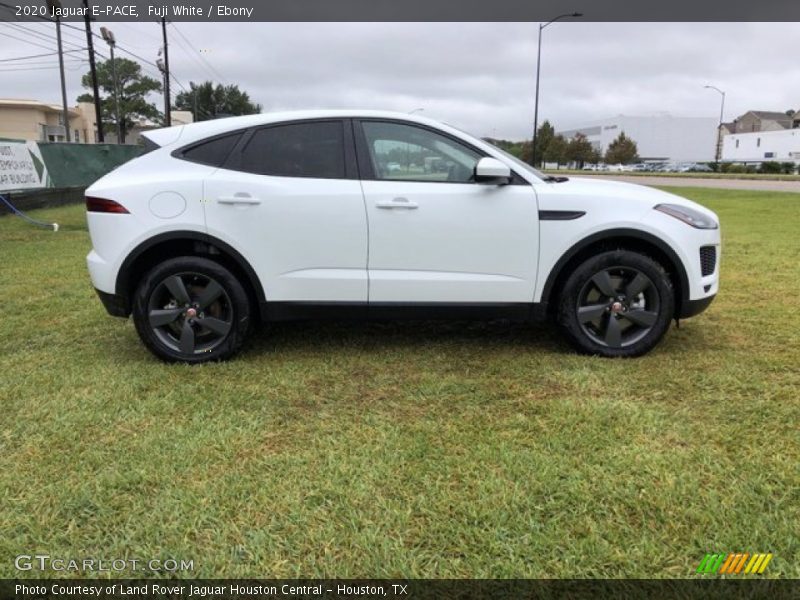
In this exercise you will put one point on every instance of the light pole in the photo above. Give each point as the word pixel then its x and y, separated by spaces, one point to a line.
pixel 108 36
pixel 718 153
pixel 574 15
pixel 54 4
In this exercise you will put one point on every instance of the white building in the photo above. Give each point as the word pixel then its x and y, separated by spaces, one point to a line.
pixel 761 146
pixel 658 137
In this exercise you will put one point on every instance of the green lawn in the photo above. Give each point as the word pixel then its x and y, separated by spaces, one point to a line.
pixel 409 450
pixel 756 176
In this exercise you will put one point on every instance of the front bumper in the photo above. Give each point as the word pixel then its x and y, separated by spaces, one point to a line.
pixel 115 305
pixel 690 308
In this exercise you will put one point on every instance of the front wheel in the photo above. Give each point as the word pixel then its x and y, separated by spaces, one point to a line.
pixel 616 304
pixel 191 309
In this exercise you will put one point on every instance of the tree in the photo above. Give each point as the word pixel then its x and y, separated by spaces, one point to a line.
pixel 544 136
pixel 133 88
pixel 208 102
pixel 556 151
pixel 579 150
pixel 622 150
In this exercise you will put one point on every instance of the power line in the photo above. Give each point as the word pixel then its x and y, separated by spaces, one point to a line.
pixel 39 55
pixel 199 54
pixel 39 35
pixel 19 39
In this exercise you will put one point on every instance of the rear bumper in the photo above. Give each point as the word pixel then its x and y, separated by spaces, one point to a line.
pixel 690 308
pixel 115 305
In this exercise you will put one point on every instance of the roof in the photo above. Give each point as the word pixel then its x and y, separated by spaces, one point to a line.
pixel 769 115
pixel 202 129
pixel 34 104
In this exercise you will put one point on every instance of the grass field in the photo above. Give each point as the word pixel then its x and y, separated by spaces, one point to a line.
pixel 755 176
pixel 409 450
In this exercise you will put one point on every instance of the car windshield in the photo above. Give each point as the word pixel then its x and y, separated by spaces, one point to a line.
pixel 519 163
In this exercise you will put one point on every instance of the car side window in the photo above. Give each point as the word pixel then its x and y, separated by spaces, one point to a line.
pixel 314 149
pixel 402 152
pixel 212 152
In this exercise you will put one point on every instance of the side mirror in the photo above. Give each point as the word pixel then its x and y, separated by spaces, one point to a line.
pixel 491 170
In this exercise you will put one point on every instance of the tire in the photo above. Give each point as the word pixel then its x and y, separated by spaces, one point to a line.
pixel 191 310
pixel 616 304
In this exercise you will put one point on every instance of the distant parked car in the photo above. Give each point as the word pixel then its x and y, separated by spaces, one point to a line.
pixel 273 217
pixel 701 168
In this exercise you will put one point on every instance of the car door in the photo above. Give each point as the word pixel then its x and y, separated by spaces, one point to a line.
pixel 435 235
pixel 289 200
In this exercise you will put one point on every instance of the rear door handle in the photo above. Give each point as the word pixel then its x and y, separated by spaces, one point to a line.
pixel 397 203
pixel 240 199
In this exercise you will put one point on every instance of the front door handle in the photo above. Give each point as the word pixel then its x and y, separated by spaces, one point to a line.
pixel 397 203
pixel 240 199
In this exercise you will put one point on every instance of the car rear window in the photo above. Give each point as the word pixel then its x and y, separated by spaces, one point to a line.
pixel 212 152
pixel 297 150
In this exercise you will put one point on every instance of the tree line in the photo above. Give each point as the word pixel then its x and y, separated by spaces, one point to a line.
pixel 134 89
pixel 556 149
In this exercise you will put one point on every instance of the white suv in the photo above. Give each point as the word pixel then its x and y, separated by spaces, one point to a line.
pixel 381 215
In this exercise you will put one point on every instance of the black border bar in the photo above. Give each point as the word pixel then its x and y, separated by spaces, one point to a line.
pixel 417 10
pixel 400 589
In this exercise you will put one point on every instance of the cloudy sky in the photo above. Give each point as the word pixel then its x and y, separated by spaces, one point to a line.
pixel 477 76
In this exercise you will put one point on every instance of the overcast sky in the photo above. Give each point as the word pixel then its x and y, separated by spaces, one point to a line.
pixel 477 76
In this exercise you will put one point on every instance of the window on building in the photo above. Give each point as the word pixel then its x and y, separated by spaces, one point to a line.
pixel 758 142
pixel 77 136
pixel 297 150
pixel 737 143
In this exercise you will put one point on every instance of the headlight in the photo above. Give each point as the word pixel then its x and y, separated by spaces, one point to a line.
pixel 688 215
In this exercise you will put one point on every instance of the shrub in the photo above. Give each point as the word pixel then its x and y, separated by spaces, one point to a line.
pixel 770 166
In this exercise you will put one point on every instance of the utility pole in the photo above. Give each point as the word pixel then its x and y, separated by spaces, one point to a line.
pixel 98 112
pixel 167 115
pixel 108 36
pixel 52 5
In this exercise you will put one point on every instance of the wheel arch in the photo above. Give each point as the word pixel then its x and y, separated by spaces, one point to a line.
pixel 612 239
pixel 185 243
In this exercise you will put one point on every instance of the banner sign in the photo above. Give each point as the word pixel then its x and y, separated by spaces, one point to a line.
pixel 21 166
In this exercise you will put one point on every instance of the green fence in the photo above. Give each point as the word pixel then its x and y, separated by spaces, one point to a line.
pixel 71 165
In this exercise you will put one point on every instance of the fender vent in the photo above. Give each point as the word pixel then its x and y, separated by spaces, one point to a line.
pixel 708 260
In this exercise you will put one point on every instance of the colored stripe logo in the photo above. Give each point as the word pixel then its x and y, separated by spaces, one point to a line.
pixel 734 563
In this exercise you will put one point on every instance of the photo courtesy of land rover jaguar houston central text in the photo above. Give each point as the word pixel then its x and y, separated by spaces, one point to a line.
pixel 367 214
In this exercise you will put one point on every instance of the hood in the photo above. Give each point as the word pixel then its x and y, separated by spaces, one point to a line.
pixel 646 196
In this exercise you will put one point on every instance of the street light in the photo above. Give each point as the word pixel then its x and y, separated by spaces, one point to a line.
pixel 108 36
pixel 56 4
pixel 718 153
pixel 574 15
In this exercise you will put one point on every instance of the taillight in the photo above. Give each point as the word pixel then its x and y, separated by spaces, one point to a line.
pixel 104 205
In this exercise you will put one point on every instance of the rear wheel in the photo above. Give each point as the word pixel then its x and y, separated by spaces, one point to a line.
pixel 617 304
pixel 192 310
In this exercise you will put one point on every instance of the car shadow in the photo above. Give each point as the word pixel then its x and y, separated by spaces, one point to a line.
pixel 344 336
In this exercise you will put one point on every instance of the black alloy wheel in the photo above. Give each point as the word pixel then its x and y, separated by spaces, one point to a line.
pixel 191 309
pixel 617 304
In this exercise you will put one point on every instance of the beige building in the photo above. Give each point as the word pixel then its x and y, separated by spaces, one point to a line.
pixel 36 121
pixel 761 120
